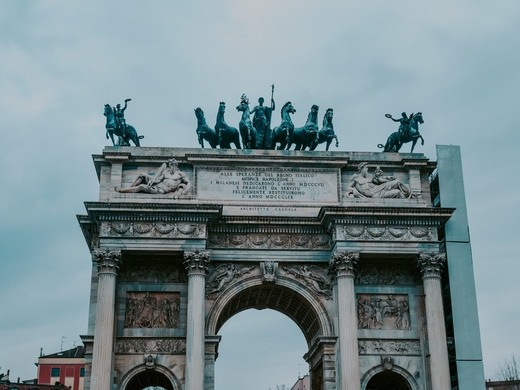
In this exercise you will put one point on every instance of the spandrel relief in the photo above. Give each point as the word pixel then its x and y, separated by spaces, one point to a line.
pixel 224 274
pixel 313 276
pixel 152 310
pixel 379 311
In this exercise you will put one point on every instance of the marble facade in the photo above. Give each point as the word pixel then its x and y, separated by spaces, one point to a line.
pixel 347 244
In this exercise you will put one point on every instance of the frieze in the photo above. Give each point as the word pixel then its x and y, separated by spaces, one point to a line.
pixel 165 230
pixel 313 276
pixel 383 311
pixel 152 310
pixel 153 273
pixel 145 345
pixel 385 233
pixel 394 347
pixel 383 274
pixel 269 241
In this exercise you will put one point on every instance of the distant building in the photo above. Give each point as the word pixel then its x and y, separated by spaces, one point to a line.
pixel 302 383
pixel 503 385
pixel 65 367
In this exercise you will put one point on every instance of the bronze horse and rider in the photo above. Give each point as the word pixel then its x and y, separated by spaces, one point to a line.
pixel 408 132
pixel 116 125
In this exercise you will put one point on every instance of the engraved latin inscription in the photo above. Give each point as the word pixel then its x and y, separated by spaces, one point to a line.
pixel 274 185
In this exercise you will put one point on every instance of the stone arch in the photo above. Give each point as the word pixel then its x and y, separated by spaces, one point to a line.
pixel 286 296
pixel 396 373
pixel 142 376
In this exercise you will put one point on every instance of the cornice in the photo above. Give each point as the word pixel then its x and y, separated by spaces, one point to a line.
pixel 389 216
pixel 149 212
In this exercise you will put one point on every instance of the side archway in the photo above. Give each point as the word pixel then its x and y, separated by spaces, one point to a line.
pixel 142 377
pixel 382 379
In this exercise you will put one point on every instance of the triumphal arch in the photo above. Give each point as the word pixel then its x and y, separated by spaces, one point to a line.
pixel 368 253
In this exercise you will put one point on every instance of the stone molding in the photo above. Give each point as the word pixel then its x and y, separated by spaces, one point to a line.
pixel 394 347
pixel 108 261
pixel 344 264
pixel 385 233
pixel 269 241
pixel 162 230
pixel 196 263
pixel 431 264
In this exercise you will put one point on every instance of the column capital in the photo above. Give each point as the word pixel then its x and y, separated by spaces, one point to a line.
pixel 196 263
pixel 344 263
pixel 431 264
pixel 108 261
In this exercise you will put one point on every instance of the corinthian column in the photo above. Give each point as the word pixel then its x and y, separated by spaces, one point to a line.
pixel 431 265
pixel 107 265
pixel 343 265
pixel 196 264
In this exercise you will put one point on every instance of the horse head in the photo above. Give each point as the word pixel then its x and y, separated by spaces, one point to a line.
pixel 221 107
pixel 327 118
pixel 288 108
pixel 199 113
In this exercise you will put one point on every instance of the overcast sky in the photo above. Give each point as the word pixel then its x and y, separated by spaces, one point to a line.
pixel 456 61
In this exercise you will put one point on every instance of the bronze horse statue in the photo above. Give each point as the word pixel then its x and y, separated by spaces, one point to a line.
pixel 304 137
pixel 247 131
pixel 326 134
pixel 280 133
pixel 226 134
pixel 126 133
pixel 204 132
pixel 396 140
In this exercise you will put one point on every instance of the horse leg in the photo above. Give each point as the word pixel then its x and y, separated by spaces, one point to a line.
pixel 414 141
pixel 328 144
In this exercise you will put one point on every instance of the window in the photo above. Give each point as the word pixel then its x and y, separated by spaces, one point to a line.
pixel 55 371
pixel 82 372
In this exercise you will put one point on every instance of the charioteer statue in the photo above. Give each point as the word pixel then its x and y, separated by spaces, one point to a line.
pixel 262 121
pixel 116 125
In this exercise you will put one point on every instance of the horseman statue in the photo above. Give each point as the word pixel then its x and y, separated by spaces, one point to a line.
pixel 408 132
pixel 116 125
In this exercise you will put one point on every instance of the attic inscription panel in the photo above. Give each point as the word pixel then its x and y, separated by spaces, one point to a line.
pixel 278 185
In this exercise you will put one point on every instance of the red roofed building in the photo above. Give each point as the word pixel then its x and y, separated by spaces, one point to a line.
pixel 65 367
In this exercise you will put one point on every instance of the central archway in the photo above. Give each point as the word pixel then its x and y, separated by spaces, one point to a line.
pixel 293 299
pixel 286 296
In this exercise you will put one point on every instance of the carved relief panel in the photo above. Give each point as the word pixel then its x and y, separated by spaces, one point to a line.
pixel 156 272
pixel 152 310
pixel 383 311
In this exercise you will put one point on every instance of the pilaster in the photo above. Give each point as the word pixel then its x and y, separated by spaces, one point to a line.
pixel 431 265
pixel 108 263
pixel 196 264
pixel 343 265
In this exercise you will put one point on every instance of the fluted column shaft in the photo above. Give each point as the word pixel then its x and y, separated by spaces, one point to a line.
pixel 107 264
pixel 196 264
pixel 431 265
pixel 343 265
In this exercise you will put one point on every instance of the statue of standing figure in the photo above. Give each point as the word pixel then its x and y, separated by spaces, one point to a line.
pixel 262 121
